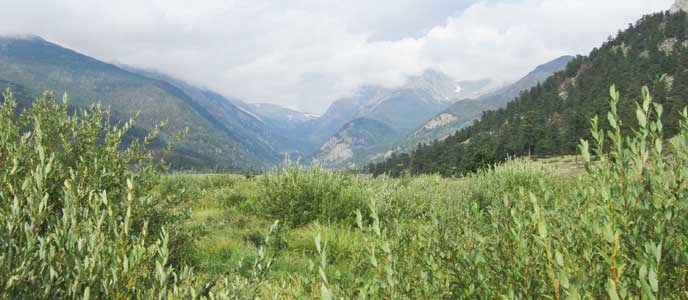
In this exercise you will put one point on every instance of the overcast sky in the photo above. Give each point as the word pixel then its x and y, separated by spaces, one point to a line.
pixel 305 53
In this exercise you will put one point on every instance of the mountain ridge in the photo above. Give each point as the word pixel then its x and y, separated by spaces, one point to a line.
pixel 38 65
pixel 402 109
pixel 551 118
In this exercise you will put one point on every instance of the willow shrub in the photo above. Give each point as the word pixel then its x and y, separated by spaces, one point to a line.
pixel 298 195
pixel 617 232
pixel 76 217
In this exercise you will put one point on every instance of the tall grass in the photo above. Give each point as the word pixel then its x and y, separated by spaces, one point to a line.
pixel 83 216
pixel 77 218
pixel 297 196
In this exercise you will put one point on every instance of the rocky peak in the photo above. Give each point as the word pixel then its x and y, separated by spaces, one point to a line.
pixel 680 5
pixel 439 85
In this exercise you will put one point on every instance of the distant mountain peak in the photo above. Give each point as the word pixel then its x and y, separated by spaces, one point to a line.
pixel 429 76
pixel 442 87
pixel 680 5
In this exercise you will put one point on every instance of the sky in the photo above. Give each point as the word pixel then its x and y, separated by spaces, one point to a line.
pixel 304 54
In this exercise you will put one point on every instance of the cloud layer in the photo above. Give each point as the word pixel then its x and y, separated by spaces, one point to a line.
pixel 306 53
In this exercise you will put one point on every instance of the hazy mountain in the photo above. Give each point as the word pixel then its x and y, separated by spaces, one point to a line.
pixel 282 114
pixel 356 137
pixel 401 110
pixel 242 117
pixel 293 126
pixel 445 89
pixel 420 99
pixel 552 117
pixel 220 136
pixel 344 110
pixel 463 113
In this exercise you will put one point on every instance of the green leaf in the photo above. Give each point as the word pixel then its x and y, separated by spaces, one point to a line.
pixel 613 93
pixel 573 295
pixel 321 271
pixel 608 233
pixel 559 258
pixel 325 293
pixel 643 272
pixel 386 248
pixel 317 243
pixel 542 230
pixel 611 290
pixel 359 219
pixel 646 98
pixel 373 260
pixel 612 120
pixel 654 283
pixel 642 118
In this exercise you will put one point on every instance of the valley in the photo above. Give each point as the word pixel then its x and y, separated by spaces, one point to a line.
pixel 566 182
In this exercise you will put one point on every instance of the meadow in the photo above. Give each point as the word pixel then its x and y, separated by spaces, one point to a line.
pixel 85 216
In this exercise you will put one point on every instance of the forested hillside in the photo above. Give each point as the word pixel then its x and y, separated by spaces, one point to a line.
pixel 552 117
pixel 463 113
pixel 220 134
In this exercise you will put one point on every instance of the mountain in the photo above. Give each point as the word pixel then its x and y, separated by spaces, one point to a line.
pixel 354 138
pixel 402 110
pixel 236 114
pixel 420 99
pixel 463 113
pixel 293 126
pixel 221 135
pixel 552 117
pixel 680 5
pixel 345 110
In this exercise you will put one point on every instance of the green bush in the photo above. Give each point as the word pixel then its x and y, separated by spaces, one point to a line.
pixel 297 195
pixel 76 216
pixel 83 215
pixel 616 232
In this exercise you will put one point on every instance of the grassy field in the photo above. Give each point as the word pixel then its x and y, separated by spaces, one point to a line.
pixel 81 217
pixel 233 230
pixel 533 228
pixel 234 222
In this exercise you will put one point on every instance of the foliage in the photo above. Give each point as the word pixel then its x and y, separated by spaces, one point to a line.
pixel 72 227
pixel 76 218
pixel 549 119
pixel 79 216
pixel 297 197
pixel 223 136
pixel 613 234
pixel 509 231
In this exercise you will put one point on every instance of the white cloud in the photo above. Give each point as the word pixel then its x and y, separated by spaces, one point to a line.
pixel 305 53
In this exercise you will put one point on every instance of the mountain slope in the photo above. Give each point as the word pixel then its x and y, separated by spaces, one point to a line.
pixel 550 118
pixel 234 114
pixel 344 110
pixel 293 127
pixel 354 138
pixel 37 65
pixel 460 114
pixel 463 113
pixel 420 99
pixel 402 110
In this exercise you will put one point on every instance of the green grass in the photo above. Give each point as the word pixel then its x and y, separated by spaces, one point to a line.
pixel 112 228
pixel 235 227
